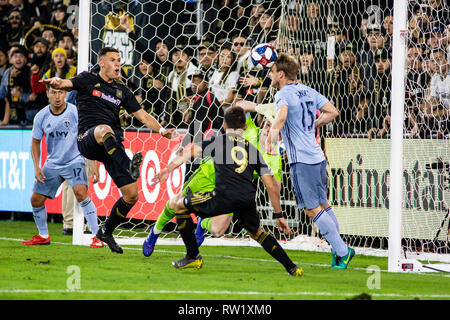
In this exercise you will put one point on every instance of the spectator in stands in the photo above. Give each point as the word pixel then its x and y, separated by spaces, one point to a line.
pixel 292 24
pixel 66 41
pixel 15 86
pixel 40 61
pixel 388 25
pixel 439 11
pixel 4 10
pixel 257 10
pixel 340 89
pixel 59 17
pixel 375 40
pixel 312 72
pixel 149 88
pixel 266 30
pixel 314 24
pixel 434 37
pixel 3 61
pixel 51 35
pixel 225 78
pixel 19 5
pixel 207 54
pixel 378 108
pixel 239 45
pixel 437 103
pixel 180 85
pixel 416 84
pixel 15 29
pixel 40 56
pixel 418 22
pixel 163 65
pixel 336 30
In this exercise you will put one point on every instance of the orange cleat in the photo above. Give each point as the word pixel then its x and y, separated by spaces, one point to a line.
pixel 96 243
pixel 37 240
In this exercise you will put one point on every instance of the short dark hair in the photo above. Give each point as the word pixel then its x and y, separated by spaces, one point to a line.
pixel 105 50
pixel 235 118
pixel 289 65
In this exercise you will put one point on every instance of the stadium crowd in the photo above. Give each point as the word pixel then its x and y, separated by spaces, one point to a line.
pixel 343 47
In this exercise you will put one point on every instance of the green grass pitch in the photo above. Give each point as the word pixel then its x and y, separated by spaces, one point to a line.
pixel 63 271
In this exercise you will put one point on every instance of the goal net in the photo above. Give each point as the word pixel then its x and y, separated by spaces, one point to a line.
pixel 345 52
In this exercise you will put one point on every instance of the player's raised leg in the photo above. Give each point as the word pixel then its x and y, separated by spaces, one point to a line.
pixel 105 136
pixel 40 217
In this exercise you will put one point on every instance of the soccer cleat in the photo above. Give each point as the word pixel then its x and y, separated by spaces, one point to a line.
pixel 135 165
pixel 296 272
pixel 37 240
pixel 345 260
pixel 199 233
pixel 334 259
pixel 96 243
pixel 149 244
pixel 109 240
pixel 186 263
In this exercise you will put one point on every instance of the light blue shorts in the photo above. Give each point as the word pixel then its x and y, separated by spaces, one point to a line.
pixel 310 184
pixel 75 174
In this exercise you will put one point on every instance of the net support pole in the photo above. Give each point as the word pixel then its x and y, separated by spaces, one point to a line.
pixel 84 14
pixel 397 115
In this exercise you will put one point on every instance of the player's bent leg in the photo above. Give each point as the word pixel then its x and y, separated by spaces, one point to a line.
pixel 193 259
pixel 272 247
pixel 105 136
pixel 40 217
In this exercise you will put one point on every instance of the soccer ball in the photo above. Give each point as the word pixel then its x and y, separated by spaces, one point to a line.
pixel 263 56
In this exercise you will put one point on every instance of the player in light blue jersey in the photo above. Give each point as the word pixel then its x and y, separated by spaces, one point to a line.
pixel 59 123
pixel 296 106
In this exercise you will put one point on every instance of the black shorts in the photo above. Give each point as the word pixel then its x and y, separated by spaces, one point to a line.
pixel 211 204
pixel 90 149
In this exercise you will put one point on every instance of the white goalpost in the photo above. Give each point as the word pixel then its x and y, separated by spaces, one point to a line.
pixel 390 193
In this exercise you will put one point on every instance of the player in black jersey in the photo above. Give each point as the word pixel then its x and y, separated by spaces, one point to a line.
pixel 235 160
pixel 99 98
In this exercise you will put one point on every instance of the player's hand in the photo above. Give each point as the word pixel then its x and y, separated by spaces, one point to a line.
pixel 54 82
pixel 95 175
pixel 161 176
pixel 170 133
pixel 39 175
pixel 283 225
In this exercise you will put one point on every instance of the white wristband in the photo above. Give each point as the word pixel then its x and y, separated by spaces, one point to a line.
pixel 161 130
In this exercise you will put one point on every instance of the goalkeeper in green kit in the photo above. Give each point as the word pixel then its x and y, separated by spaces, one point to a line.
pixel 203 180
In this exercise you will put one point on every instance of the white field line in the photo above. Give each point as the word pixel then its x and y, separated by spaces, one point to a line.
pixel 236 258
pixel 221 292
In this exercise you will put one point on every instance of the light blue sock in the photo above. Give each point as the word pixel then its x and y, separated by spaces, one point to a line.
pixel 330 212
pixel 40 217
pixel 327 228
pixel 90 212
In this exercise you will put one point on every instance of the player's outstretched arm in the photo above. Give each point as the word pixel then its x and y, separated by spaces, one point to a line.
pixel 150 122
pixel 36 155
pixel 183 155
pixel 58 83
pixel 274 196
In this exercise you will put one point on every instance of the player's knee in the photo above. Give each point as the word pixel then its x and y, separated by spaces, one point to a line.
pixel 177 203
pixel 100 132
pixel 131 198
pixel 255 235
pixel 37 200
pixel 80 193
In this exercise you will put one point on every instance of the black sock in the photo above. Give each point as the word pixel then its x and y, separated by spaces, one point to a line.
pixel 271 245
pixel 186 228
pixel 118 214
pixel 116 150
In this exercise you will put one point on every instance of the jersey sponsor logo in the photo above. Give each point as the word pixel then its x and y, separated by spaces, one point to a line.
pixel 106 97
pixel 57 134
